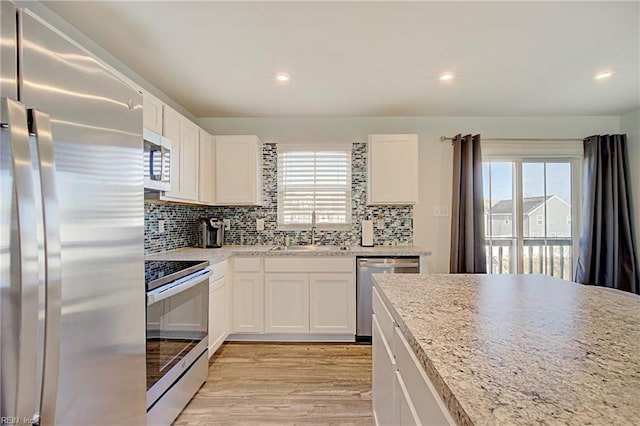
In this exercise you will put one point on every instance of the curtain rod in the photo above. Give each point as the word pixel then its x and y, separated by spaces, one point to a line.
pixel 447 138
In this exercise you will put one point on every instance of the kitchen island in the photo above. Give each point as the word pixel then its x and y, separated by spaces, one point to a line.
pixel 520 349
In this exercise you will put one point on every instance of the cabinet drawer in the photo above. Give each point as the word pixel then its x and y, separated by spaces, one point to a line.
pixel 385 320
pixel 382 378
pixel 428 405
pixel 309 264
pixel 406 412
pixel 219 270
pixel 247 264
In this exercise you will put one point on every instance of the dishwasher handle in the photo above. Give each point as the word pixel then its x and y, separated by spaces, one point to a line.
pixel 381 265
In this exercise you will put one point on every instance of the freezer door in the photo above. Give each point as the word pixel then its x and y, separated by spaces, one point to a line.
pixel 96 125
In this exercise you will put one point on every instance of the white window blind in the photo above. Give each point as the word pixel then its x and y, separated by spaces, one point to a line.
pixel 314 179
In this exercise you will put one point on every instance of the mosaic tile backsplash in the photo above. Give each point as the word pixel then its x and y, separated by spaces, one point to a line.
pixel 393 225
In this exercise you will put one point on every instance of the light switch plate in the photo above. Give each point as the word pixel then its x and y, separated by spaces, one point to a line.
pixel 161 226
pixel 227 224
pixel 259 224
pixel 441 211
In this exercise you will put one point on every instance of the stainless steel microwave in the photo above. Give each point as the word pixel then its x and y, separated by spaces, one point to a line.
pixel 157 162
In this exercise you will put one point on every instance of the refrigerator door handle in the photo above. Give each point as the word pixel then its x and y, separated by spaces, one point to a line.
pixel 21 327
pixel 40 125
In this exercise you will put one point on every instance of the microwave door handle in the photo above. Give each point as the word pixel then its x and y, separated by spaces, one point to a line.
pixel 40 125
pixel 161 177
pixel 20 317
pixel 151 159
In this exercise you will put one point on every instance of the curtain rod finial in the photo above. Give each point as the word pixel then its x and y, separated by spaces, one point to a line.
pixel 443 138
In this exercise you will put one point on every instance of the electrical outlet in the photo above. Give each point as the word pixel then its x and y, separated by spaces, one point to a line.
pixel 227 224
pixel 161 226
pixel 441 211
pixel 259 224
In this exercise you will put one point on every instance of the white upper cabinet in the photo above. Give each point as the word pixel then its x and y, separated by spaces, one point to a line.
pixel 190 163
pixel 152 113
pixel 206 188
pixel 238 170
pixel 392 169
pixel 171 130
pixel 184 156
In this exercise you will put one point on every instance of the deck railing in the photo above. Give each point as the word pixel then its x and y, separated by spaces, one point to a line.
pixel 552 256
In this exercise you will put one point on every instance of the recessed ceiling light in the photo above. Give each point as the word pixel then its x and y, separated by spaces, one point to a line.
pixel 603 75
pixel 447 76
pixel 282 77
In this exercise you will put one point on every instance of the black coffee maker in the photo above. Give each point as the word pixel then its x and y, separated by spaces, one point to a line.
pixel 212 232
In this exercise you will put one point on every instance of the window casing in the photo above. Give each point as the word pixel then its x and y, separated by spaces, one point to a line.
pixel 314 179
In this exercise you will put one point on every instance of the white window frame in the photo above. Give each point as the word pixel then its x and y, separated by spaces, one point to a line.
pixel 544 151
pixel 291 147
pixel 539 219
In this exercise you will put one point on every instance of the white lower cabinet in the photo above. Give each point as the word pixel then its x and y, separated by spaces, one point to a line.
pixel 219 306
pixel 286 303
pixel 317 303
pixel 410 398
pixel 218 313
pixel 287 298
pixel 302 298
pixel 248 302
pixel 332 303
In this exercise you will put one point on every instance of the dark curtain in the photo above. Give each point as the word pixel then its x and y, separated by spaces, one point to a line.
pixel 468 253
pixel 607 253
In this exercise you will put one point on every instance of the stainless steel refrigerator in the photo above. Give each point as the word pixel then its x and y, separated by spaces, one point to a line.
pixel 72 296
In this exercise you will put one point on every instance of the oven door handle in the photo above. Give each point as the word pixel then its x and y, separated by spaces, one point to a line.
pixel 164 292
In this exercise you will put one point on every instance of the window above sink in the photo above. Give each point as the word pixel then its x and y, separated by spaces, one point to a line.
pixel 314 178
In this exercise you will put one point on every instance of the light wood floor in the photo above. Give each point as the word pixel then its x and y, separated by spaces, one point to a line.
pixel 282 383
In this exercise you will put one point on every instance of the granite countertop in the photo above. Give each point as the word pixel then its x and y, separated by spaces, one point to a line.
pixel 522 349
pixel 220 254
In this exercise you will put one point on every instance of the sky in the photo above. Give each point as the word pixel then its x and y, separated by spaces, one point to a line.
pixel 558 180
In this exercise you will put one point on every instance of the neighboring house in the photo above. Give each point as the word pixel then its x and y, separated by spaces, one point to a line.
pixel 558 213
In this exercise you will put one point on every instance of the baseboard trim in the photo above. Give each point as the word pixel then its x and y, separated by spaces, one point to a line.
pixel 251 337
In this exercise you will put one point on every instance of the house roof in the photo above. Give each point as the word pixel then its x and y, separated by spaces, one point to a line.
pixel 528 204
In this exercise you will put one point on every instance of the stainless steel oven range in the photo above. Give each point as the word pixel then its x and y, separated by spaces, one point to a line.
pixel 177 335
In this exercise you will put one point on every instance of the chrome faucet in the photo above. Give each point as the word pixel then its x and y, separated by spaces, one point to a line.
pixel 313 228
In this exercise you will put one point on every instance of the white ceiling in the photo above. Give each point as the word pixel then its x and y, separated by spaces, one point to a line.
pixel 218 59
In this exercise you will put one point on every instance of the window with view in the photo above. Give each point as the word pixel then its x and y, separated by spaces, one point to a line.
pixel 314 180
pixel 540 197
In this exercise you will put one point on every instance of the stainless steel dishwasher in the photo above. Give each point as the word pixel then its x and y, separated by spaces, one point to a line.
pixel 364 283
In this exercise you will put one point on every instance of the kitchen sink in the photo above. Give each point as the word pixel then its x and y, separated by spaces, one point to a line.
pixel 310 248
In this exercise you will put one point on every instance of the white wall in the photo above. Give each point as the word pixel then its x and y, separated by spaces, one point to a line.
pixel 630 124
pixel 435 156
